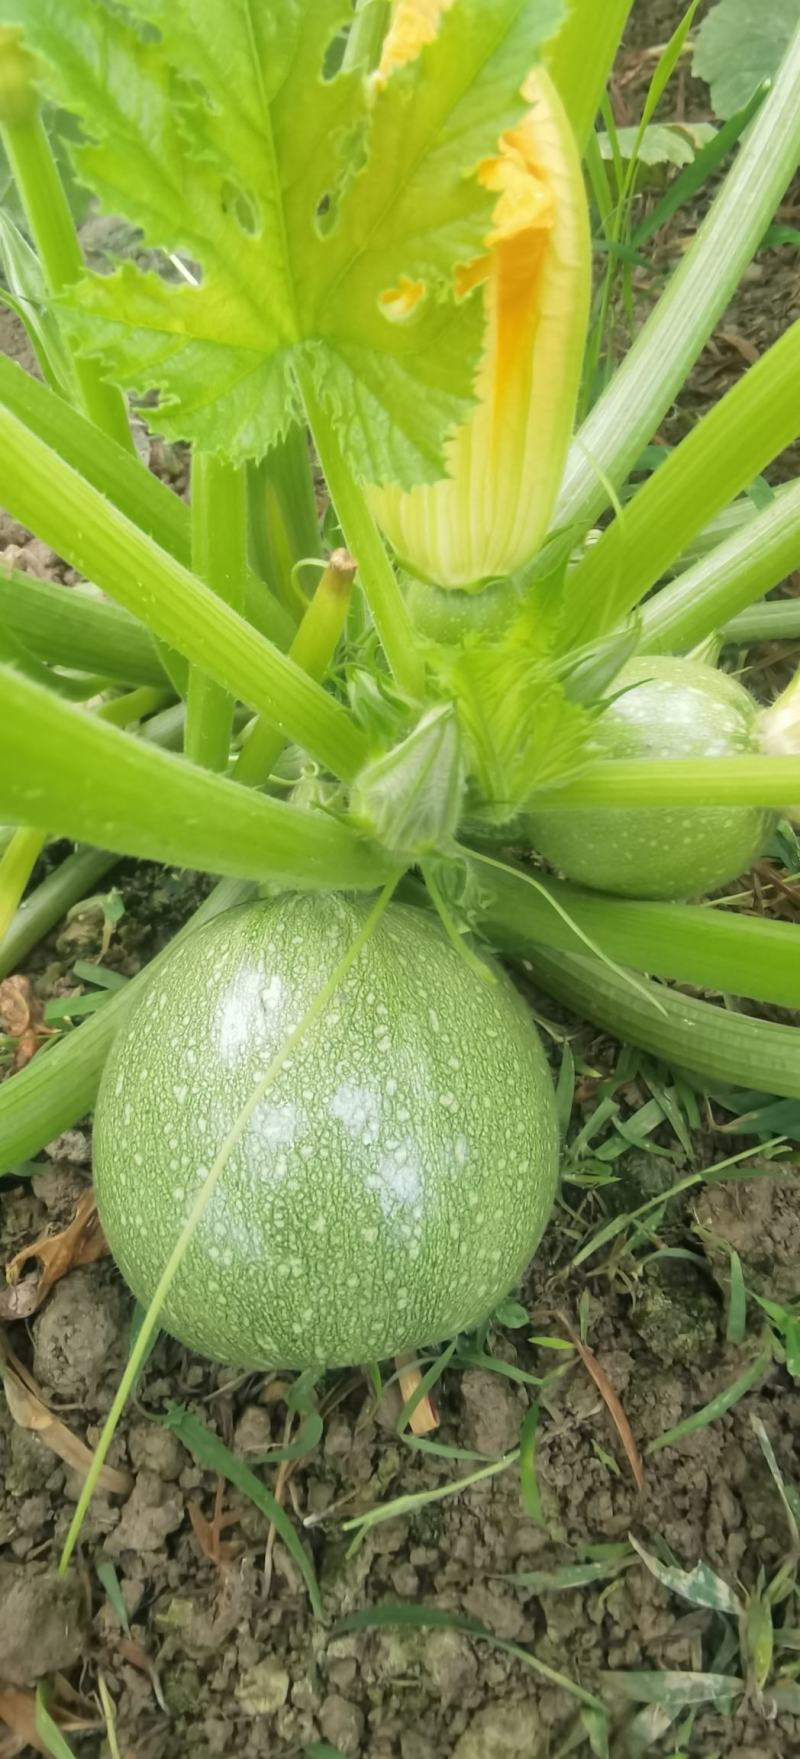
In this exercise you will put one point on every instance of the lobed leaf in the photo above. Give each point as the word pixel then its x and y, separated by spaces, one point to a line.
pixel 305 200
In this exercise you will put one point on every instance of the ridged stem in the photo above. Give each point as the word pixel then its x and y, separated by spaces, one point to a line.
pixel 219 544
pixel 687 1033
pixel 751 561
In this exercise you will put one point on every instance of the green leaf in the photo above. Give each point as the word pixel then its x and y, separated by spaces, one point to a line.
pixel 48 1731
pixel 211 1451
pixel 663 143
pixel 511 1314
pixel 303 200
pixel 439 1619
pixel 716 1407
pixel 740 43
pixel 107 1574
pixel 700 1586
pixel 520 728
pixel 674 1690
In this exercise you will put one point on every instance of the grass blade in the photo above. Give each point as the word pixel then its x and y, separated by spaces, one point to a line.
pixel 675 1691
pixel 435 1618
pixel 737 1301
pixel 717 1407
pixel 629 412
pixel 418 1499
pixel 527 1463
pixel 211 1452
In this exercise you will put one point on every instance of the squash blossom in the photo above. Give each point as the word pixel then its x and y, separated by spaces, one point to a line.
pixel 490 513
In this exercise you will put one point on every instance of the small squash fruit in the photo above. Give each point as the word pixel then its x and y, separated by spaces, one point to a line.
pixel 666 708
pixel 393 1182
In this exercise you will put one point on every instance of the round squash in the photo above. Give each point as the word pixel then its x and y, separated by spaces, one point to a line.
pixel 667 708
pixel 394 1180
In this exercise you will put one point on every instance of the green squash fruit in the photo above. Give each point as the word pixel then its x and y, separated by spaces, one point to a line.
pixel 394 1180
pixel 669 708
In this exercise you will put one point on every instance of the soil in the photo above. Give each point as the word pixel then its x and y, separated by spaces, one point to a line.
pixel 203 1636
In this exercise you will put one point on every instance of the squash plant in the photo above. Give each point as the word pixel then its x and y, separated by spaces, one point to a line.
pixel 371 249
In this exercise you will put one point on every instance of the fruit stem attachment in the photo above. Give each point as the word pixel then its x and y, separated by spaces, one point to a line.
pixel 47 211
pixel 312 649
pixel 150 1321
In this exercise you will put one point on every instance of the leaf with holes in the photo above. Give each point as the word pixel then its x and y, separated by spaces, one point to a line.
pixel 324 216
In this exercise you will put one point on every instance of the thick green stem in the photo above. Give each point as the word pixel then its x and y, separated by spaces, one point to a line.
pixel 219 544
pixel 126 483
pixel 47 210
pixel 375 572
pixel 714 949
pixel 776 620
pixel 71 772
pixel 75 878
pixel 313 649
pixel 136 705
pixel 16 866
pixel 70 629
pixel 581 57
pixel 82 526
pixel 627 415
pixel 688 781
pixel 282 514
pixel 751 561
pixel 718 458
pixel 686 1033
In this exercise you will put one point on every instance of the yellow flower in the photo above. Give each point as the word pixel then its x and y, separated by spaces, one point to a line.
pixel 504 465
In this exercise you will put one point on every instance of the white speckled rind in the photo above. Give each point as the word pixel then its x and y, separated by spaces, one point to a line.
pixel 396 1178
pixel 679 708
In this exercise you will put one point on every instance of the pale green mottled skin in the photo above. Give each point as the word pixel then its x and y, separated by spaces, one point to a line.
pixel 679 708
pixel 396 1178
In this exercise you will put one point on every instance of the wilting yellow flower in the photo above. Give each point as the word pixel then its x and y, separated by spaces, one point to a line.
pixel 490 513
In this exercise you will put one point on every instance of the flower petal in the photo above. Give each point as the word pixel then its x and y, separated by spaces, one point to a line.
pixel 491 513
